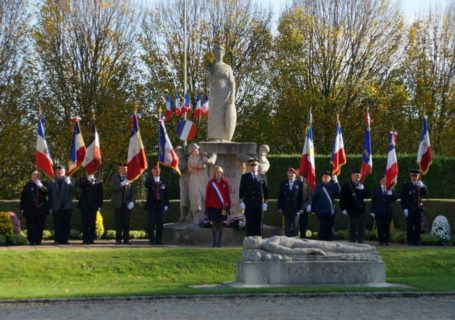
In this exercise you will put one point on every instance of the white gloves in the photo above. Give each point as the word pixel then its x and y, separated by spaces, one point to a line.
pixel 389 193
pixel 344 212
pixel 360 186
pixel 406 212
pixel 91 177
pixel 308 208
pixel 335 179
pixel 420 184
pixel 300 212
pixel 124 183
pixel 68 180
pixel 264 206
pixel 372 214
pixel 39 183
pixel 130 205
pixel 165 208
pixel 242 205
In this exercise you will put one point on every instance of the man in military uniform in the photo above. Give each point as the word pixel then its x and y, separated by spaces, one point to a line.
pixel 412 206
pixel 352 196
pixel 303 216
pixel 61 204
pixel 91 200
pixel 253 194
pixel 123 198
pixel 156 205
pixel 35 208
pixel 290 202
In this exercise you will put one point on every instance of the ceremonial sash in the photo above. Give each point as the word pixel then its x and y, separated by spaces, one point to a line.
pixel 220 197
pixel 330 200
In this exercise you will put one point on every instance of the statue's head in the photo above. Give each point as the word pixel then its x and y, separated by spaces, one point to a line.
pixel 218 52
pixel 192 149
pixel 264 149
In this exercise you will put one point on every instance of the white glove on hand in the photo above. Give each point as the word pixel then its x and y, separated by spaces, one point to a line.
pixel 300 212
pixel 68 180
pixel 130 205
pixel 344 212
pixel 264 206
pixel 335 179
pixel 39 183
pixel 91 177
pixel 420 184
pixel 308 208
pixel 242 205
pixel 372 214
pixel 360 186
pixel 389 193
pixel 165 208
pixel 405 212
pixel 124 183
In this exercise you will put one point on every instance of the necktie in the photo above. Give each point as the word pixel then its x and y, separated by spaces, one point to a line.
pixel 291 183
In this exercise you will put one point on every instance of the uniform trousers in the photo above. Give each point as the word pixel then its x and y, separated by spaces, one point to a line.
pixel 35 227
pixel 325 227
pixel 303 224
pixel 290 226
pixel 62 225
pixel 383 225
pixel 88 217
pixel 356 227
pixel 156 219
pixel 253 217
pixel 122 224
pixel 414 221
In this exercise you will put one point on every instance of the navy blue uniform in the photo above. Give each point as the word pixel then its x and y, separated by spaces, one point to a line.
pixel 352 200
pixel 34 206
pixel 381 206
pixel 157 200
pixel 90 201
pixel 290 201
pixel 323 203
pixel 411 200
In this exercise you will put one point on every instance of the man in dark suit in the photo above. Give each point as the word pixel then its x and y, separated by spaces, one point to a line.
pixel 91 200
pixel 381 210
pixel 253 195
pixel 35 208
pixel 412 205
pixel 352 203
pixel 156 205
pixel 303 216
pixel 61 204
pixel 123 198
pixel 290 202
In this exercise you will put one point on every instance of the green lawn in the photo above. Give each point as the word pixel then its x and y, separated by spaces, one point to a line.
pixel 151 271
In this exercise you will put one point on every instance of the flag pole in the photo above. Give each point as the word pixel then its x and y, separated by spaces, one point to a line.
pixel 185 64
pixel 159 119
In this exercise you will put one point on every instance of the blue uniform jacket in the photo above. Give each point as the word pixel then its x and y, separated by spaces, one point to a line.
pixel 320 203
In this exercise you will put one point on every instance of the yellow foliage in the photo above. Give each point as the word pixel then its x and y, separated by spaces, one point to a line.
pixel 6 225
pixel 99 228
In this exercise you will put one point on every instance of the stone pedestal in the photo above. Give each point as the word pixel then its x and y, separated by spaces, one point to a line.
pixel 231 156
pixel 310 272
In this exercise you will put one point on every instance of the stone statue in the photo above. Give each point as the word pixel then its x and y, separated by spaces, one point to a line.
pixel 295 249
pixel 183 183
pixel 264 164
pixel 197 183
pixel 222 116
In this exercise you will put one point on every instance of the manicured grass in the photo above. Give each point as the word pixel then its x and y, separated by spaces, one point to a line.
pixel 168 271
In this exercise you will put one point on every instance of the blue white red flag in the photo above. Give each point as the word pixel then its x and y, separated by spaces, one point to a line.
pixel 424 156
pixel 391 172
pixel 187 107
pixel 168 115
pixel 137 159
pixel 367 156
pixel 177 106
pixel 92 160
pixel 43 158
pixel 338 154
pixel 166 153
pixel 205 105
pixel 198 109
pixel 307 163
pixel 78 150
pixel 186 130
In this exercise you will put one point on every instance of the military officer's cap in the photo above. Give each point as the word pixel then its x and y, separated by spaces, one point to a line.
pixel 59 166
pixel 355 172
pixel 414 171
pixel 290 169
pixel 253 161
pixel 122 164
pixel 328 173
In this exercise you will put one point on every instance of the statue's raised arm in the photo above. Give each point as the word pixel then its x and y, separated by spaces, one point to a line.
pixel 222 117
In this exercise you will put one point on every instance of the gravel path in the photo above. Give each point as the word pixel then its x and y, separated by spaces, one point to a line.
pixel 251 308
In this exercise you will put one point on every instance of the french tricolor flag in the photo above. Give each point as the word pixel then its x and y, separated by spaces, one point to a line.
pixel 391 172
pixel 187 107
pixel 367 156
pixel 307 163
pixel 205 105
pixel 78 150
pixel 92 160
pixel 166 153
pixel 137 160
pixel 338 154
pixel 424 156
pixel 177 106
pixel 43 158
pixel 168 115
pixel 186 130
pixel 198 109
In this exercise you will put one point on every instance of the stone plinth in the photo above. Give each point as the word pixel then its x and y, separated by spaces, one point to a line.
pixel 310 272
pixel 231 156
pixel 185 233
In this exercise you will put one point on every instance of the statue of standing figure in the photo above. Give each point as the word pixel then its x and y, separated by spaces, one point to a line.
pixel 222 117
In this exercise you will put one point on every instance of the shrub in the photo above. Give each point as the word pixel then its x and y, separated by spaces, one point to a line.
pixel 99 228
pixel 6 226
pixel 16 222
pixel 138 234
pixel 399 237
pixel 341 235
pixel 371 235
pixel 110 234
pixel 430 240
pixel 2 240
pixel 18 240
pixel 75 234
pixel 48 235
